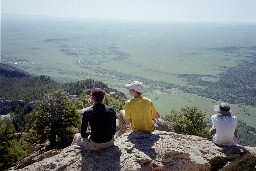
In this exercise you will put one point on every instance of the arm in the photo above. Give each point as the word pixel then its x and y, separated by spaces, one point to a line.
pixel 128 121
pixel 127 115
pixel 154 112
pixel 211 132
pixel 156 116
pixel 84 125
pixel 235 133
pixel 114 123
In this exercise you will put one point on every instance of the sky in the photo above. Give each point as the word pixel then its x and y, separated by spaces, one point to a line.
pixel 171 10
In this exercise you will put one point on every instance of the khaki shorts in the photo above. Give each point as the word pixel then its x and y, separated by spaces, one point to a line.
pixel 87 143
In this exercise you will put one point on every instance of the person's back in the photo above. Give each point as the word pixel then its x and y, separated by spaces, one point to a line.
pixel 225 129
pixel 102 120
pixel 224 125
pixel 139 111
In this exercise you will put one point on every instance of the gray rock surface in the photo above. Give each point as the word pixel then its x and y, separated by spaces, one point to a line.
pixel 160 150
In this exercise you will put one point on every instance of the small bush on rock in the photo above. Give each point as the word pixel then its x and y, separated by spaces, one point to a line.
pixel 190 120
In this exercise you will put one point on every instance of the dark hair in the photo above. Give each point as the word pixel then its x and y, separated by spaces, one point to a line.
pixel 225 109
pixel 139 93
pixel 98 94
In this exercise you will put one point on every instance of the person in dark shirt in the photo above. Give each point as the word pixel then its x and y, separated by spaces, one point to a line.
pixel 102 121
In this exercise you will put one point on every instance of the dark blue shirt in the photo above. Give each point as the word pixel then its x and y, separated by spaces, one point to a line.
pixel 102 120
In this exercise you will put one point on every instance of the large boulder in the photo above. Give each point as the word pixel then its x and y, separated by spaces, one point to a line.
pixel 160 150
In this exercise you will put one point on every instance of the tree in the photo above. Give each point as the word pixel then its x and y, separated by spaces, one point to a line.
pixel 190 120
pixel 116 103
pixel 56 119
pixel 11 148
pixel 19 118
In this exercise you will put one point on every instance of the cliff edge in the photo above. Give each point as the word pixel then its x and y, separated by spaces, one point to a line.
pixel 160 150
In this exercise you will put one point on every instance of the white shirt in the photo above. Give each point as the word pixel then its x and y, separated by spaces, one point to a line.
pixel 225 129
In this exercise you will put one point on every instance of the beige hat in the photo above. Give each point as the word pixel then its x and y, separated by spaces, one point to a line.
pixel 223 107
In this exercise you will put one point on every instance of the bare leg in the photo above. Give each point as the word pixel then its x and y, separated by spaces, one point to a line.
pixel 74 142
pixel 122 124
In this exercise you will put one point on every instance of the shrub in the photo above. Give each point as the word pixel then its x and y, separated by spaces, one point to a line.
pixel 190 120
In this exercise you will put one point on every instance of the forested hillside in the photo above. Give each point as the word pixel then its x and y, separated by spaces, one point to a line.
pixel 237 85
pixel 23 127
pixel 48 96
pixel 19 85
pixel 9 71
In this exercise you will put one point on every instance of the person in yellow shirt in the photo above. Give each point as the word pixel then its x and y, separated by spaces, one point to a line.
pixel 140 112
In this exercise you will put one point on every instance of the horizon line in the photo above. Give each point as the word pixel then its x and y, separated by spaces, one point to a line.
pixel 132 19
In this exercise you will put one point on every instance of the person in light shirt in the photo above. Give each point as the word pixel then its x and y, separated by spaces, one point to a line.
pixel 223 131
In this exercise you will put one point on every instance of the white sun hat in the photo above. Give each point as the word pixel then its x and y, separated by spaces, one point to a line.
pixel 135 85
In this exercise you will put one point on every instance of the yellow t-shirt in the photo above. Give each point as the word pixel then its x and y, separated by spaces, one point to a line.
pixel 140 111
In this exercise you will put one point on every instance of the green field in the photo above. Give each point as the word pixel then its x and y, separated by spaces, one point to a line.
pixel 118 52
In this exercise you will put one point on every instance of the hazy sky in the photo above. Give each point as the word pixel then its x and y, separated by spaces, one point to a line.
pixel 174 10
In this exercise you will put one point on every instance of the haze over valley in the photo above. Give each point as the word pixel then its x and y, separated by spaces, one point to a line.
pixel 190 55
pixel 181 63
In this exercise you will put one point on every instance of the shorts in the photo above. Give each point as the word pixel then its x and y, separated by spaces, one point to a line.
pixel 87 143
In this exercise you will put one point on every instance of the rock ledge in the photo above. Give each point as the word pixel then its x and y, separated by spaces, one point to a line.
pixel 160 150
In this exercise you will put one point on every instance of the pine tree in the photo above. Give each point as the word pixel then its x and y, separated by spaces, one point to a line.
pixel 11 148
pixel 19 118
pixel 56 119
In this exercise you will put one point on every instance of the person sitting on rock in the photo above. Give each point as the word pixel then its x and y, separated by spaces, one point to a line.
pixel 139 112
pixel 223 131
pixel 102 121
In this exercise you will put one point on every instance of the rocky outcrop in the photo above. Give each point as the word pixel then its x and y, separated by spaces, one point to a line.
pixel 160 150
